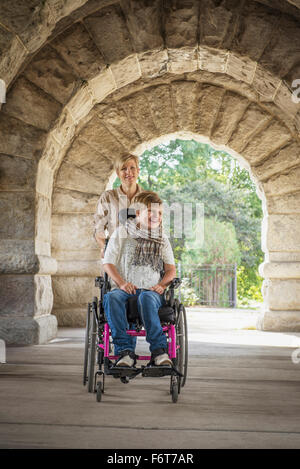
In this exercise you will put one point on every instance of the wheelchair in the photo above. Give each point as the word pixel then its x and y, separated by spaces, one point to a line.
pixel 98 343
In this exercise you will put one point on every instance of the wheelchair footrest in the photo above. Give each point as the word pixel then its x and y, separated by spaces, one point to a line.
pixel 120 371
pixel 157 371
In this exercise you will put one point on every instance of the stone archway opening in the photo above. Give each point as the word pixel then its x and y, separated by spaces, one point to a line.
pixel 226 77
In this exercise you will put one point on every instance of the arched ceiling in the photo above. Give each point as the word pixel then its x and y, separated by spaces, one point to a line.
pixel 103 77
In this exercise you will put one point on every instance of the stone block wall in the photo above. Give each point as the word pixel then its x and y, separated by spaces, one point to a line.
pixel 89 80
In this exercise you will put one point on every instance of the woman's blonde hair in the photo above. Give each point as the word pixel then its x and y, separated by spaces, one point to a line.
pixel 123 159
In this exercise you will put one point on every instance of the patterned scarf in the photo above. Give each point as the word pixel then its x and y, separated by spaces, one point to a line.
pixel 149 245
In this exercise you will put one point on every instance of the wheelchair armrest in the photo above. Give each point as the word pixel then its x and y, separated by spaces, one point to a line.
pixel 102 282
pixel 99 282
pixel 175 283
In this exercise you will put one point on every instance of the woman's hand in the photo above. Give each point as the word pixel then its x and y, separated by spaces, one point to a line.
pixel 158 288
pixel 128 287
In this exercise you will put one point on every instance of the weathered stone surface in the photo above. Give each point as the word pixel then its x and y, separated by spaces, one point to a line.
pixel 50 73
pixel 81 104
pixel 70 268
pixel 64 130
pixel 110 33
pixel 89 160
pixel 182 60
pixel 214 22
pixel 103 84
pixel 17 215
pixel 83 254
pixel 181 23
pixel 25 97
pixel 265 84
pixel 116 121
pixel 139 113
pixel 254 119
pixel 143 19
pixel 66 201
pixel 256 26
pixel 28 331
pixel 79 51
pixel 226 120
pixel 33 21
pixel 20 139
pixel 283 183
pixel 44 180
pixel 126 71
pixel 283 233
pixel 62 8
pixel 97 136
pixel 16 173
pixel 287 39
pixel 207 105
pixel 240 68
pixel 73 290
pixel 160 102
pixel 74 316
pixel 153 63
pixel 280 270
pixel 184 95
pixel 285 158
pixel 43 219
pixel 283 294
pixel 81 153
pixel 73 178
pixel 43 296
pixel 284 321
pixel 266 142
pixel 72 232
pixel 212 60
pixel 12 288
pixel 12 55
pixel 284 100
pixel 288 203
pixel 281 256
pixel 52 154
pixel 17 257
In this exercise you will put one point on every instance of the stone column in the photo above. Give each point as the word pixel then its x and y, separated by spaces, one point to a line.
pixel 281 270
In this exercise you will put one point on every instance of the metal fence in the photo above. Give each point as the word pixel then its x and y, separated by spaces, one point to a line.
pixel 210 285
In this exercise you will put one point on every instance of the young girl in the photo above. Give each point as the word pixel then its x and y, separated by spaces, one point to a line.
pixel 136 254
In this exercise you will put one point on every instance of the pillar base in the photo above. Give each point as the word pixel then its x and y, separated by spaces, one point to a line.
pixel 279 321
pixel 28 331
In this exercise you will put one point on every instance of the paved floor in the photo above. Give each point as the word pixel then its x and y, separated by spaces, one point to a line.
pixel 243 391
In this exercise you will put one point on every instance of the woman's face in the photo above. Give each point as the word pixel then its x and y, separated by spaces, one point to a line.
pixel 150 217
pixel 128 173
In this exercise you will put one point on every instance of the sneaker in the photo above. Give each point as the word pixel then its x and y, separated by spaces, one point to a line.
pixel 162 359
pixel 125 359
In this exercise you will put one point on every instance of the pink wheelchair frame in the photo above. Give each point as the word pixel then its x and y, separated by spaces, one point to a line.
pixel 98 345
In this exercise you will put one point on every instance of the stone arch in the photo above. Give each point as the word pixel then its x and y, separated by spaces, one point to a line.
pixel 88 90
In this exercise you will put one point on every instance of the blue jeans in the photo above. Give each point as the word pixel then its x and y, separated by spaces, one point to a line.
pixel 149 302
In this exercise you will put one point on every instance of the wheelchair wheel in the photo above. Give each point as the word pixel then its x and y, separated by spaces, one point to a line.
pixel 174 388
pixel 86 344
pixel 182 341
pixel 99 392
pixel 92 348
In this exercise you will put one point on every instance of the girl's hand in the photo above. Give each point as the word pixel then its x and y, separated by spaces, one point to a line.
pixel 128 287
pixel 158 288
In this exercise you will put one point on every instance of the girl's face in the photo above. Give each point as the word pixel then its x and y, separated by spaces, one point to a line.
pixel 128 173
pixel 150 217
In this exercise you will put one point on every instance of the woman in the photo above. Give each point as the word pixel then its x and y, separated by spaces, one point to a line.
pixel 106 219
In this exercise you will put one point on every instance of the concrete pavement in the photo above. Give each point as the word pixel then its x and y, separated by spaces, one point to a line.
pixel 242 391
